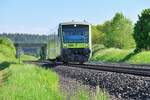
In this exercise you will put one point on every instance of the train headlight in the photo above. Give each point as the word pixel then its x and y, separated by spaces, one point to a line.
pixel 75 25
pixel 65 45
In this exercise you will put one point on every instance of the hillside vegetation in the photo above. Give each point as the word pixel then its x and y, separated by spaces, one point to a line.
pixel 119 55
pixel 25 81
pixel 28 58
pixel 7 50
pixel 114 33
pixel 118 40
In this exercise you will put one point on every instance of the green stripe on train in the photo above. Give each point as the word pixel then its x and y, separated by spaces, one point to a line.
pixel 75 45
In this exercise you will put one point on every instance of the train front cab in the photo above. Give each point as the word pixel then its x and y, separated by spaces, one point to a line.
pixel 75 51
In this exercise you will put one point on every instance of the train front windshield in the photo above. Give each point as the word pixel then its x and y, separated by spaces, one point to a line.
pixel 75 33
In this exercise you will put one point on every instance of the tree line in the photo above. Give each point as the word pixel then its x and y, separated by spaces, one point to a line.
pixel 120 32
pixel 26 38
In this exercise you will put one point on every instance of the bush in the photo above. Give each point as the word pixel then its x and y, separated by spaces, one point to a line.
pixel 7 47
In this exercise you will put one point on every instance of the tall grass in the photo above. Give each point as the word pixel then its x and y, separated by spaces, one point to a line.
pixel 120 55
pixel 84 94
pixel 110 55
pixel 29 82
pixel 140 58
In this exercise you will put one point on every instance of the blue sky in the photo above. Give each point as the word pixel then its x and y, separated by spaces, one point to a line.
pixel 41 16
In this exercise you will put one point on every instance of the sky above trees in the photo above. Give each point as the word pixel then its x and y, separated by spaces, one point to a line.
pixel 41 16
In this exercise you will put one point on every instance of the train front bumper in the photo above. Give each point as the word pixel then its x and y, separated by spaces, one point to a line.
pixel 76 54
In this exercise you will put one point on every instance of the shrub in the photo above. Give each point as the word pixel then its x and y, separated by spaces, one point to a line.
pixel 7 47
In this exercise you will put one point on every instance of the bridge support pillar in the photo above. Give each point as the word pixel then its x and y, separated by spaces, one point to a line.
pixel 18 51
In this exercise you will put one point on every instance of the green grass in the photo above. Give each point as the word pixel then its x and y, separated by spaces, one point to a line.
pixel 140 58
pixel 29 82
pixel 3 57
pixel 97 47
pixel 120 55
pixel 28 58
pixel 6 58
pixel 7 47
pixel 7 51
pixel 110 55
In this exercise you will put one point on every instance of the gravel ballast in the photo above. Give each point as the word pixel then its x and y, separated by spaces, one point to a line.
pixel 123 86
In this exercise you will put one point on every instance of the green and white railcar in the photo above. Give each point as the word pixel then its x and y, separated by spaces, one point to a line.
pixel 72 43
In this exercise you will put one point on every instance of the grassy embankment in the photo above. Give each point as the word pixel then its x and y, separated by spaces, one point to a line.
pixel 100 53
pixel 28 58
pixel 25 81
pixel 30 82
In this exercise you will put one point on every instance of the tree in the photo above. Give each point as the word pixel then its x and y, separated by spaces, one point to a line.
pixel 142 31
pixel 118 32
pixel 97 36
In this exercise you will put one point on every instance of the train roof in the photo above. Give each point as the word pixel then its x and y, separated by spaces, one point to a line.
pixel 73 22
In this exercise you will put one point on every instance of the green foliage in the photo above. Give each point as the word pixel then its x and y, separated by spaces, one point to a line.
pixel 2 57
pixel 118 32
pixel 114 33
pixel 7 47
pixel 142 31
pixel 97 36
pixel 7 42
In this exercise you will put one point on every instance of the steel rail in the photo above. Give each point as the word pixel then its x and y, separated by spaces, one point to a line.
pixel 114 68
pixel 134 69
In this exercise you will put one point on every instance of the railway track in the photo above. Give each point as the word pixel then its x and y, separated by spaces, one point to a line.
pixel 134 69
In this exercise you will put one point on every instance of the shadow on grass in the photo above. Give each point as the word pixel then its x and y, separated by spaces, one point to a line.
pixel 126 58
pixel 4 74
pixel 4 65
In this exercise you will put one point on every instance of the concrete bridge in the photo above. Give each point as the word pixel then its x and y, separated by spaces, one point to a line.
pixel 42 46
